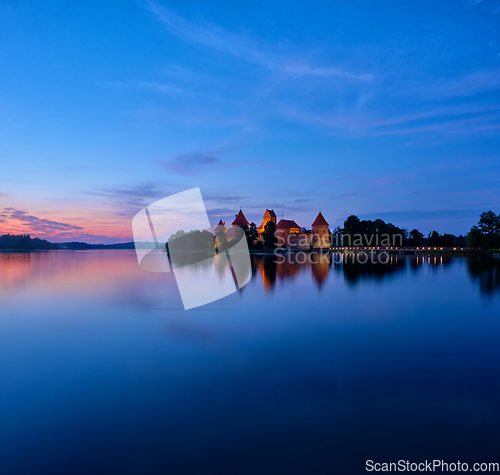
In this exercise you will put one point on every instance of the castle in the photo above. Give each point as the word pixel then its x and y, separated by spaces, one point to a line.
pixel 288 232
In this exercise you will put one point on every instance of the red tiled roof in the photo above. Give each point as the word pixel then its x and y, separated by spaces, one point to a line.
pixel 221 223
pixel 320 220
pixel 287 224
pixel 271 213
pixel 240 219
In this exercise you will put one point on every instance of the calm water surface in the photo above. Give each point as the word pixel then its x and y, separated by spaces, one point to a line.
pixel 311 368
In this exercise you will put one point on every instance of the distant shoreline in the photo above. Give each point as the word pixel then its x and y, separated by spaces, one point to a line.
pixel 402 251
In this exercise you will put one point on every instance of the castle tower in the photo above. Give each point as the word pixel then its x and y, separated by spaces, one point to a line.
pixel 269 215
pixel 321 233
pixel 221 227
pixel 239 221
pixel 220 236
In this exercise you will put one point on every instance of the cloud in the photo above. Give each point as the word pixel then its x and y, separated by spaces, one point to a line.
pixel 40 225
pixel 470 4
pixel 126 201
pixel 189 164
pixel 473 83
pixel 306 70
pixel 208 35
pixel 417 215
pixel 20 222
pixel 240 46
pixel 156 86
pixel 146 190
pixel 451 125
pixel 450 119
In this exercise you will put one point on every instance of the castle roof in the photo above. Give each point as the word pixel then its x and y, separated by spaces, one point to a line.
pixel 270 213
pixel 320 220
pixel 287 224
pixel 220 226
pixel 240 219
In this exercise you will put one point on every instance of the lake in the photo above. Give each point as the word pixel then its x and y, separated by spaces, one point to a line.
pixel 311 368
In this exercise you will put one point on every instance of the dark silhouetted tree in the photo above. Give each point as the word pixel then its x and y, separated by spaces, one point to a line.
pixel 269 235
pixel 486 234
pixel 416 238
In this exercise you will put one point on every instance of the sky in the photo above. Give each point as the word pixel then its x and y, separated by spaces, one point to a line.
pixel 384 110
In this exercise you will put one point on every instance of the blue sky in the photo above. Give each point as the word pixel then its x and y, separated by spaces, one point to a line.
pixel 379 109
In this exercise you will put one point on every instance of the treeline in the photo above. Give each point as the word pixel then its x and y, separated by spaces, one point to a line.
pixel 367 233
pixel 192 240
pixel 485 234
pixel 25 242
pixel 81 246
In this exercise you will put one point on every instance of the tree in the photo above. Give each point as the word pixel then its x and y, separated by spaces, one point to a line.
pixel 352 227
pixel 252 235
pixel 489 223
pixel 460 241
pixel 447 240
pixel 336 236
pixel 486 234
pixel 25 242
pixel 475 238
pixel 416 238
pixel 194 240
pixel 372 233
pixel 269 235
pixel 433 238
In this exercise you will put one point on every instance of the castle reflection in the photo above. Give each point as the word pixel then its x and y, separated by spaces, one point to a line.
pixel 357 267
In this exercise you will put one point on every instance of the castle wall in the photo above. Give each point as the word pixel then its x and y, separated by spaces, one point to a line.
pixel 321 237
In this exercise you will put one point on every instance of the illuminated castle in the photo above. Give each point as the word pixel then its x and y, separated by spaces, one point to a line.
pixel 288 232
pixel 269 215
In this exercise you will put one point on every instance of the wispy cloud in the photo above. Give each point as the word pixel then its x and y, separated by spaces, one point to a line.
pixel 452 119
pixel 473 83
pixel 418 215
pixel 209 35
pixel 20 222
pixel 242 46
pixel 306 70
pixel 189 164
pixel 470 4
pixel 40 225
pixel 126 201
pixel 156 86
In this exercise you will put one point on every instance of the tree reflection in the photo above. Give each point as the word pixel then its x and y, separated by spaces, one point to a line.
pixel 361 266
pixel 486 271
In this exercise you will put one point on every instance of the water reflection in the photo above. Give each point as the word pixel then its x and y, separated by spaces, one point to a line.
pixel 272 269
pixel 357 268
pixel 102 369
pixel 81 271
pixel 485 270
